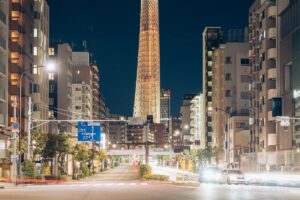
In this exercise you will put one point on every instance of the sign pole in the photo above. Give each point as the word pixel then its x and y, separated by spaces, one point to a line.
pixel 15 144
pixel 29 129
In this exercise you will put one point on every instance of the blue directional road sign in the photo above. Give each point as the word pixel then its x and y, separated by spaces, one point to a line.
pixel 89 132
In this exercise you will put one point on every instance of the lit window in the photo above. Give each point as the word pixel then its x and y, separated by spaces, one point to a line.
pixel 15 1
pixel 15 35
pixel 51 76
pixel 15 15
pixel 15 56
pixel 35 51
pixel 51 52
pixel 35 69
pixel 14 79
pixel 210 63
pixel 35 32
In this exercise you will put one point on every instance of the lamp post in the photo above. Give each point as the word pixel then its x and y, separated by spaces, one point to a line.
pixel 49 67
pixel 227 141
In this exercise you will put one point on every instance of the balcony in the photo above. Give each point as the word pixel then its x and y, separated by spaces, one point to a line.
pixel 272 33
pixel 2 17
pixel 272 11
pixel 2 95
pixel 272 93
pixel 272 53
pixel 2 120
pixel 2 70
pixel 272 139
pixel 272 73
pixel 2 43
pixel 4 153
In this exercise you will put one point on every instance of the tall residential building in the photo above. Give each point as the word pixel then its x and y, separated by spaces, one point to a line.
pixel 147 92
pixel 117 132
pixel 40 92
pixel 263 54
pixel 197 121
pixel 185 111
pixel 288 73
pixel 21 23
pixel 212 38
pixel 60 87
pixel 5 159
pixel 230 90
pixel 96 90
pixel 177 136
pixel 165 113
pixel 82 86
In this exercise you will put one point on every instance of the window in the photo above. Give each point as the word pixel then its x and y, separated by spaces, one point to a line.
pixel 35 69
pixel 15 57
pixel 35 107
pixel 245 61
pixel 36 88
pixel 15 15
pixel 35 32
pixel 51 52
pixel 245 95
pixel 35 51
pixel 15 36
pixel 78 107
pixel 51 101
pixel 51 88
pixel 228 93
pixel 78 89
pixel 210 63
pixel 263 57
pixel 245 79
pixel 14 79
pixel 51 76
pixel 228 60
pixel 228 77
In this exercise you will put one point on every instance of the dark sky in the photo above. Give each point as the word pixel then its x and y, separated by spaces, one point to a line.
pixel 111 28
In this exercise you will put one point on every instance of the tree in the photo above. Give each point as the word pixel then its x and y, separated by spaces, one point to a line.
pixel 56 145
pixel 80 153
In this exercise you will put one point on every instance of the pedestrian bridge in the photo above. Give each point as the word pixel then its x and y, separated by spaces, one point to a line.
pixel 139 153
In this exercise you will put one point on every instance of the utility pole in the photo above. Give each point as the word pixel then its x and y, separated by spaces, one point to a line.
pixel 15 144
pixel 29 129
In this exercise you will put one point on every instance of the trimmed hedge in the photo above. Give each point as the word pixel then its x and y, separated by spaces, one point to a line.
pixel 145 170
pixel 156 177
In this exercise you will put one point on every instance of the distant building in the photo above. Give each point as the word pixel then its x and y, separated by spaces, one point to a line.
pixel 185 111
pixel 177 137
pixel 165 111
pixel 136 133
pixel 197 121
pixel 60 87
pixel 212 38
pixel 117 132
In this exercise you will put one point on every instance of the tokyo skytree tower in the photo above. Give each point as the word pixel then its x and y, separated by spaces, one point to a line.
pixel 147 92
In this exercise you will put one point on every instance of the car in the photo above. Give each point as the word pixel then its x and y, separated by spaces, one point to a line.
pixel 233 176
pixel 210 175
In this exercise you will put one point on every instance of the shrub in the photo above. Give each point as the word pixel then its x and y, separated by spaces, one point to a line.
pixel 156 177
pixel 28 169
pixel 63 177
pixel 145 170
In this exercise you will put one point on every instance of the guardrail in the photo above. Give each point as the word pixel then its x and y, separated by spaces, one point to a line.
pixel 187 178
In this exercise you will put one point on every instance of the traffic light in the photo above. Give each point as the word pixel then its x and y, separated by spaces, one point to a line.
pixel 276 107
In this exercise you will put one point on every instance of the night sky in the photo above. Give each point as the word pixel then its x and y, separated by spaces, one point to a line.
pixel 111 29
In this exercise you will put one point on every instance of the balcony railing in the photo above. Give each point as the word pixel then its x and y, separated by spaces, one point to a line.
pixel 2 43
pixel 2 69
pixel 2 94
pixel 2 17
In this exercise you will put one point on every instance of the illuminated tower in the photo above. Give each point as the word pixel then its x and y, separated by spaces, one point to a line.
pixel 147 93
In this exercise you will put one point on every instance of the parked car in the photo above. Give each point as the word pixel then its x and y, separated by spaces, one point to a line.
pixel 210 175
pixel 233 176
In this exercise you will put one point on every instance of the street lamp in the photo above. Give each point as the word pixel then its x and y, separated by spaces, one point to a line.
pixel 50 67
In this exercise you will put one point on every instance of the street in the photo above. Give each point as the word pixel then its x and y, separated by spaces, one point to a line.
pixel 122 183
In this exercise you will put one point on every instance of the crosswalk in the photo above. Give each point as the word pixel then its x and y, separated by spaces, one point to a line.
pixel 84 185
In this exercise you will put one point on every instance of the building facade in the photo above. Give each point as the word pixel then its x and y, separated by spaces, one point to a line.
pixel 60 87
pixel 40 92
pixel 212 38
pixel 4 76
pixel 197 121
pixel 165 112
pixel 147 92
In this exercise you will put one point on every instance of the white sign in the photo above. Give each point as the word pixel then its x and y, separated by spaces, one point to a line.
pixel 284 121
pixel 296 94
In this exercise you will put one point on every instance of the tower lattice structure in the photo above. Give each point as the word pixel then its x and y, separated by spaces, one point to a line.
pixel 147 94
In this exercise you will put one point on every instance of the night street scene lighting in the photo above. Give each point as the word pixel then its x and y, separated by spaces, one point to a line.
pixel 149 99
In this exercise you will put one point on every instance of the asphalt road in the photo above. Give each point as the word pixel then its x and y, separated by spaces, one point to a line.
pixel 128 187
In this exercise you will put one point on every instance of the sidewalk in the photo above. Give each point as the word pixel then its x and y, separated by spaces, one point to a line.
pixel 6 185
